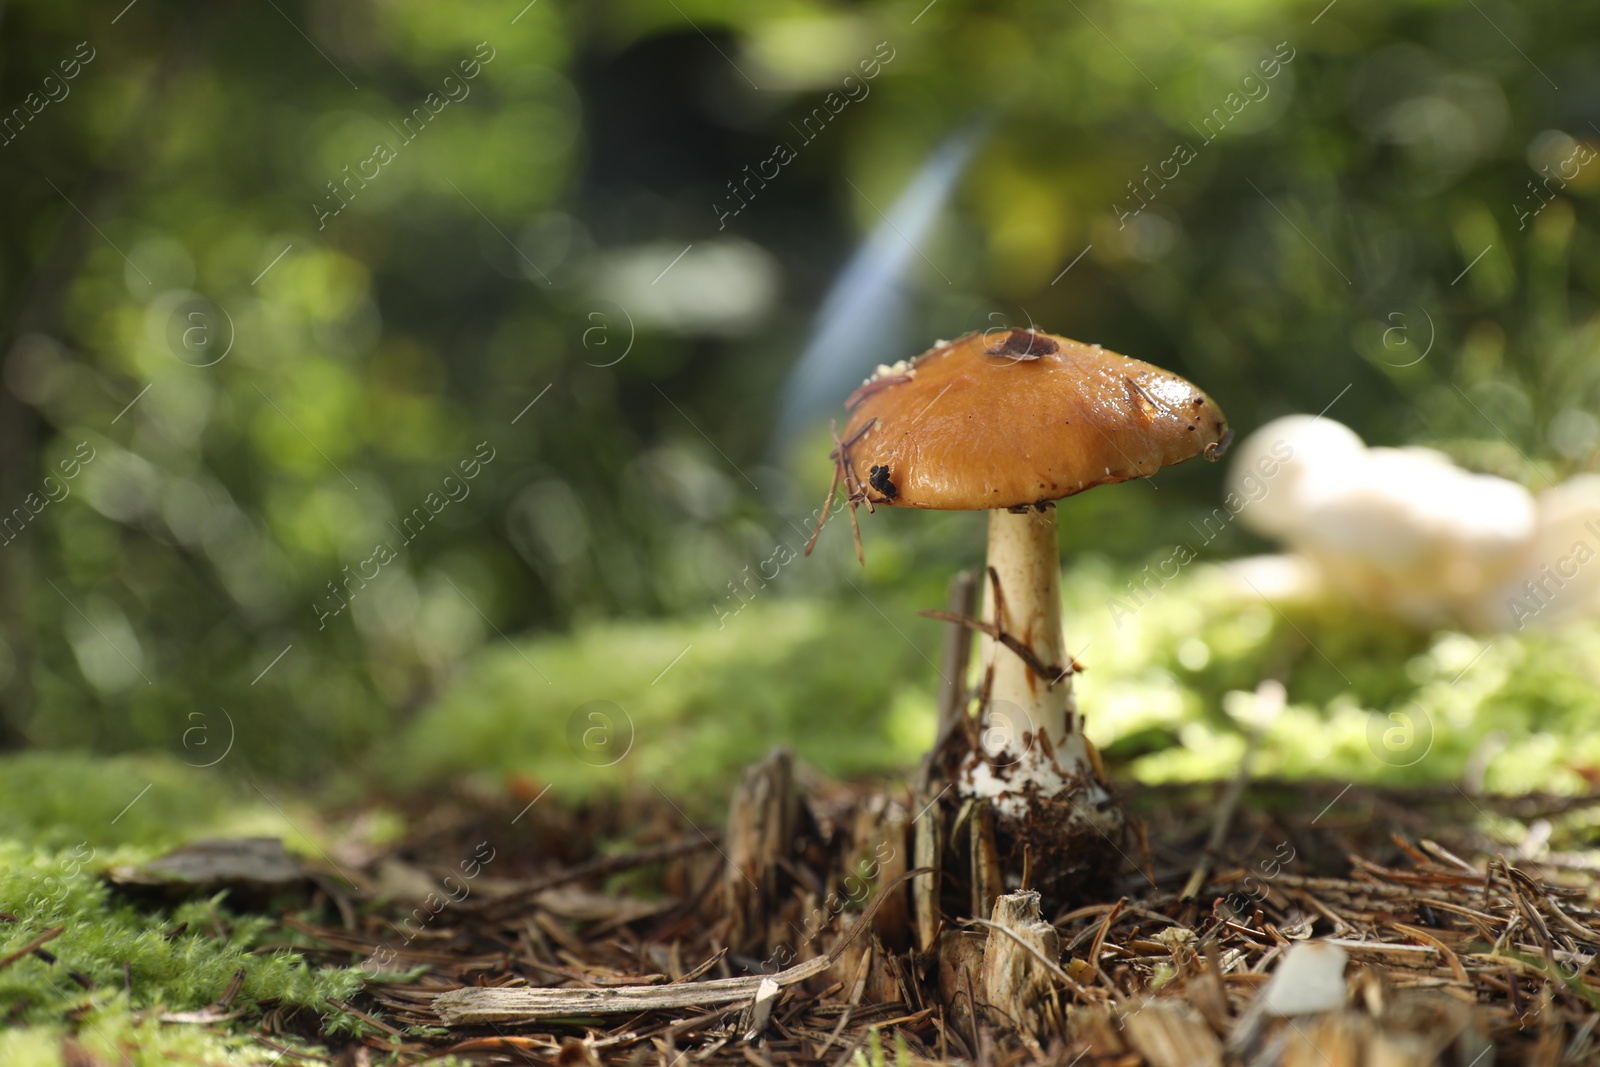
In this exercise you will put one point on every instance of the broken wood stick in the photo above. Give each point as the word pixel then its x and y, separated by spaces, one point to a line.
pixel 485 1005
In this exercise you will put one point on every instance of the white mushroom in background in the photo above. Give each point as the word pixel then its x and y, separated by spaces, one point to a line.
pixel 1558 577
pixel 1407 531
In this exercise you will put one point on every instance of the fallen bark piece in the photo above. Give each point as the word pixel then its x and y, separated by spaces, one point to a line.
pixel 483 1005
pixel 259 861
pixel 1169 1033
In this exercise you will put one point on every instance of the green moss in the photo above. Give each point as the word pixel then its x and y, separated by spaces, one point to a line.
pixel 118 1036
pixel 831 680
pixel 1368 699
pixel 68 818
pixel 1169 677
pixel 56 799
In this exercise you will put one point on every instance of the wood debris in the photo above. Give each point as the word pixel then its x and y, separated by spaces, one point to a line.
pixel 1368 934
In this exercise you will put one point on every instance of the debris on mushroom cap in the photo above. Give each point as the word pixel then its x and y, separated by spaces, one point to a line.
pixel 1003 419
pixel 886 370
pixel 885 375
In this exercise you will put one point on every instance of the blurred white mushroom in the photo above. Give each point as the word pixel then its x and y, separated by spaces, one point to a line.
pixel 1557 577
pixel 1407 531
pixel 1271 469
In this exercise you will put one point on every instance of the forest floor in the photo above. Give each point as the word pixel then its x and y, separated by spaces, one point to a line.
pixel 1424 803
pixel 1461 921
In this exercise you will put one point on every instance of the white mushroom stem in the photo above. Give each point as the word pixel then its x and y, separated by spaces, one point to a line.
pixel 1031 732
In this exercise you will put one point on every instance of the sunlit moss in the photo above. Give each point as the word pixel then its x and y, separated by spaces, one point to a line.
pixel 855 697
pixel 178 959
pixel 686 704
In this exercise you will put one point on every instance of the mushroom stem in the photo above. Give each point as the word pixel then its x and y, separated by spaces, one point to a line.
pixel 1027 565
pixel 1031 733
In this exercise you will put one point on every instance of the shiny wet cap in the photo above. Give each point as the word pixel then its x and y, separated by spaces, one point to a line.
pixel 1008 418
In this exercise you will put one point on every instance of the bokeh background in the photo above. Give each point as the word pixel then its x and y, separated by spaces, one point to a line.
pixel 275 276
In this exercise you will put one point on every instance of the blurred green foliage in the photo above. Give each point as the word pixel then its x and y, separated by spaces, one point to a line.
pixel 179 595
pixel 1167 693
pixel 55 800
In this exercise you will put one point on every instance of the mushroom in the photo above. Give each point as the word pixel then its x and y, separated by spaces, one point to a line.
pixel 1401 530
pixel 1009 422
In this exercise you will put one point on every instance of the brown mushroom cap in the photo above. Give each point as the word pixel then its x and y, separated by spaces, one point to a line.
pixel 1008 418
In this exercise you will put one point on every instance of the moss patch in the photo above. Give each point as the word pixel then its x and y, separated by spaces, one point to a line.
pixel 67 819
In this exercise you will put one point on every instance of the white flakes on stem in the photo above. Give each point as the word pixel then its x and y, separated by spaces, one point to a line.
pixel 1030 732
